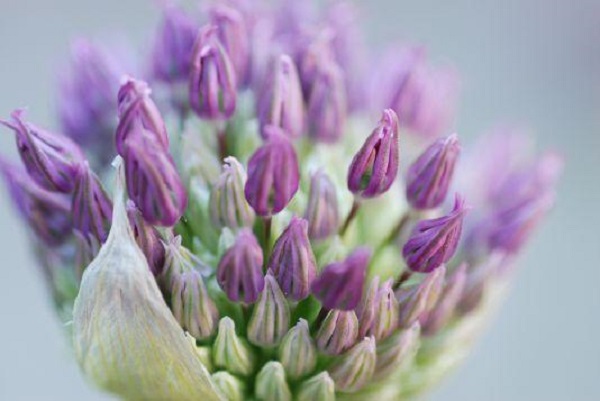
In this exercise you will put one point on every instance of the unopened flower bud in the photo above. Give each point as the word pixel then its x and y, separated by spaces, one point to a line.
pixel 338 332
pixel 430 175
pixel 138 115
pixel 297 352
pixel 228 205
pixel 230 352
pixel 441 314
pixel 51 160
pixel 281 102
pixel 378 311
pixel 292 260
pixel 212 84
pixel 271 384
pixel 355 368
pixel 418 299
pixel 327 104
pixel 322 210
pixel 271 315
pixel 229 386
pixel 273 174
pixel 239 273
pixel 318 388
pixel 148 239
pixel 434 242
pixel 153 182
pixel 340 285
pixel 375 166
pixel 396 350
pixel 91 206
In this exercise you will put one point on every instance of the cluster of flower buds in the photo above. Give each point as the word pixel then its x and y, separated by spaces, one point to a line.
pixel 313 266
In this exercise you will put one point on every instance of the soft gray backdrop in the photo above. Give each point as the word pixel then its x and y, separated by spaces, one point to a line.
pixel 533 61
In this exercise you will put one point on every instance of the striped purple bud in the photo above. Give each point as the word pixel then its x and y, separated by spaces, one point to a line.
pixel 292 260
pixel 322 210
pixel 430 175
pixel 340 285
pixel 51 160
pixel 378 311
pixel 153 182
pixel 434 242
pixel 138 115
pixel 433 321
pixel 91 206
pixel 338 332
pixel 270 319
pixel 375 167
pixel 396 350
pixel 355 369
pixel 239 273
pixel 281 102
pixel 273 174
pixel 327 105
pixel 418 299
pixel 212 84
pixel 148 239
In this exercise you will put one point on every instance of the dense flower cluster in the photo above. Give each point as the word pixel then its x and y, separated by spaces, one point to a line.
pixel 289 221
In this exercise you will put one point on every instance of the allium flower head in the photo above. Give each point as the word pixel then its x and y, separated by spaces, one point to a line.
pixel 269 246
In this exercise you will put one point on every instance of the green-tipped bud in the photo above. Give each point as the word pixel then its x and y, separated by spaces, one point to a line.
pixel 271 384
pixel 270 318
pixel 338 332
pixel 418 299
pixel 230 387
pixel 395 351
pixel 231 352
pixel 123 331
pixel 318 388
pixel 353 370
pixel 297 352
pixel 378 312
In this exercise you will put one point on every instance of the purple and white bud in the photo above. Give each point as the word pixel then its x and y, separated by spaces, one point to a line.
pixel 327 104
pixel 375 166
pixel 355 368
pixel 397 350
pixel 271 315
pixel 434 242
pixel 322 211
pixel 433 321
pixel 138 115
pixel 378 312
pixel 292 260
pixel 273 174
pixel 281 102
pixel 338 332
pixel 239 273
pixel 340 284
pixel 212 84
pixel 148 239
pixel 51 160
pixel 153 182
pixel 418 299
pixel 91 206
pixel 429 177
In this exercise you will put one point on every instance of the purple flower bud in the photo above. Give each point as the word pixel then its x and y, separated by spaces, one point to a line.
pixel 271 315
pixel 239 273
pixel 337 332
pixel 212 84
pixel 395 350
pixel 234 35
pixel 340 285
pixel 153 182
pixel 314 55
pixel 273 174
pixel 375 166
pixel 378 311
pixel 148 239
pixel 292 260
pixel 355 369
pixel 51 160
pixel 47 213
pixel 179 259
pixel 440 315
pixel 138 114
pixel 416 300
pixel 327 104
pixel 322 210
pixel 228 206
pixel 430 175
pixel 173 44
pixel 281 102
pixel 91 206
pixel 434 242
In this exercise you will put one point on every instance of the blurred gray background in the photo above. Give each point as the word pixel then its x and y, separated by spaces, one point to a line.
pixel 530 61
